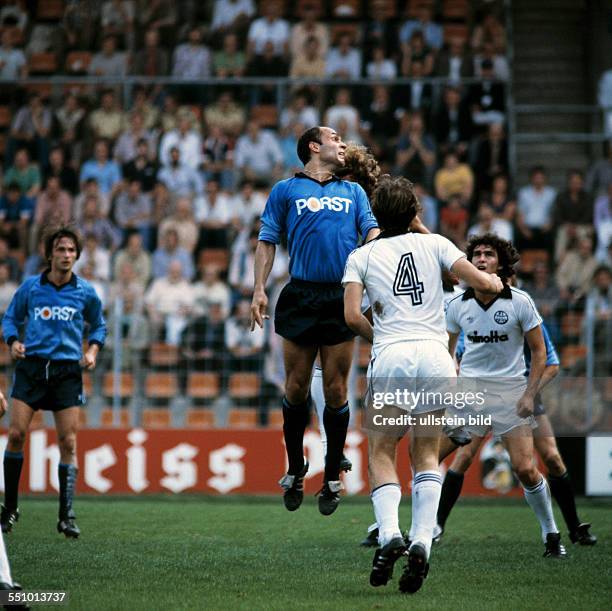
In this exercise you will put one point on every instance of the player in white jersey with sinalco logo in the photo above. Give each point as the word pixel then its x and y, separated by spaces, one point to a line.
pixel 401 273
pixel 495 330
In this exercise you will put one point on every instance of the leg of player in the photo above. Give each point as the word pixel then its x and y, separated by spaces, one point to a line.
pixel 296 415
pixel 66 424
pixel 519 444
pixel 453 481
pixel 427 486
pixel 336 364
pixel 386 496
pixel 560 482
pixel 21 416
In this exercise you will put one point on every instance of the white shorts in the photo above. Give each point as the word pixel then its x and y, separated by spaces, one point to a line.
pixel 415 372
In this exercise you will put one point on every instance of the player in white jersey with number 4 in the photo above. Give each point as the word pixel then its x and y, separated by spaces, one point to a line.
pixel 401 273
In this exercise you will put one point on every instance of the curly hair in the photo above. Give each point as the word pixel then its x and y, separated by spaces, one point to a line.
pixel 507 255
pixel 55 233
pixel 361 167
pixel 394 204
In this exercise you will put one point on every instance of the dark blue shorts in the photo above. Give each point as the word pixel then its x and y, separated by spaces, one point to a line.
pixel 48 385
pixel 312 313
pixel 538 406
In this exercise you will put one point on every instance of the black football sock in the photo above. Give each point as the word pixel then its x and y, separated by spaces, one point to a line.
pixel 451 490
pixel 295 421
pixel 563 492
pixel 13 461
pixel 67 480
pixel 336 421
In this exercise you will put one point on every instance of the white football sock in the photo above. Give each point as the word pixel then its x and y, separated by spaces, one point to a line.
pixel 386 500
pixel 318 399
pixel 411 531
pixel 538 498
pixel 5 568
pixel 427 488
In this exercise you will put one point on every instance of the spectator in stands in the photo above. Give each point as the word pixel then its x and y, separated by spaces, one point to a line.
pixel 230 61
pixel 117 19
pixel 603 210
pixel 226 114
pixel 490 30
pixel 186 139
pixel 92 223
pixel 270 27
pixel 141 103
pixel 80 25
pixel 96 256
pixel 109 61
pixel 288 143
pixel 575 273
pixel 7 288
pixel 7 259
pixel 69 121
pixel 258 155
pixel 416 50
pixel 599 176
pixel 381 67
pixel 13 14
pixel 106 171
pixel 248 204
pixel 170 250
pixel 24 173
pixel 310 63
pixel 142 167
pixel 453 122
pixel 242 265
pixel 416 155
pixel 13 64
pixel 418 95
pixel 15 214
pixel 208 289
pixel 214 215
pixel 501 69
pixel 299 111
pixel 379 29
pixel 135 255
pixel 202 345
pixel 159 15
pixel 91 189
pixel 429 207
pixel 152 59
pixel 108 120
pixel 53 205
pixel 344 60
pixel 454 220
pixel 381 125
pixel 343 111
pixel 127 143
pixel 231 17
pixel 500 198
pixel 454 178
pixel 183 223
pixel 487 98
pixel 192 59
pixel 572 214
pixel 35 263
pixel 599 304
pixel 535 208
pixel 545 293
pixel 308 28
pixel 491 156
pixel 264 65
pixel 432 32
pixel 31 128
pixel 489 223
pixel 169 302
pixel 179 178
pixel 454 62
pixel 218 158
pixel 126 282
pixel 245 347
pixel 57 166
pixel 133 211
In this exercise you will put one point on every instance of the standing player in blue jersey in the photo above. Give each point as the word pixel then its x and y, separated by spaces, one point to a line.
pixel 53 307
pixel 323 218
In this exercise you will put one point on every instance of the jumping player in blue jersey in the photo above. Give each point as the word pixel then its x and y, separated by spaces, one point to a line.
pixel 323 218
pixel 53 308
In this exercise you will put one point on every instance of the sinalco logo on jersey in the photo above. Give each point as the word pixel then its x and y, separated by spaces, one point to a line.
pixel 54 313
pixel 315 204
pixel 493 337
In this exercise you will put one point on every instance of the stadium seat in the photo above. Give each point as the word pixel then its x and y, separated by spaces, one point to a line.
pixel 384 9
pixel 156 418
pixel 570 355
pixel 163 355
pixel 413 6
pixel 455 10
pixel 126 385
pixel 42 63
pixel 455 30
pixel 49 10
pixel 106 417
pixel 242 417
pixel 530 258
pixel 5 117
pixel 161 386
pixel 243 385
pixel 265 114
pixel 301 5
pixel 214 256
pixel 44 90
pixel 275 418
pixel 77 62
pixel 203 385
pixel 200 418
pixel 571 325
pixel 343 9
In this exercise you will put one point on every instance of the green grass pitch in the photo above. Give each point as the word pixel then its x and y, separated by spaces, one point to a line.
pixel 237 553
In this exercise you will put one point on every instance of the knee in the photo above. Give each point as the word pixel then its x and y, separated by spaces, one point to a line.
pixel 527 473
pixel 16 439
pixel 462 461
pixel 296 391
pixel 335 392
pixel 554 463
pixel 67 443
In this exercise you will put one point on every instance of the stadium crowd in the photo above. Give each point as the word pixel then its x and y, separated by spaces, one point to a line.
pixel 167 182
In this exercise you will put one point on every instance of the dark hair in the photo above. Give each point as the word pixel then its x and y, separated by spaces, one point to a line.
pixel 361 167
pixel 13 186
pixel 537 169
pixel 394 204
pixel 55 233
pixel 507 255
pixel 303 149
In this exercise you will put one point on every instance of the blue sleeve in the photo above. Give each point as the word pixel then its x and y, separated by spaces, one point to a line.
pixel 274 215
pixel 16 313
pixel 116 173
pixel 93 315
pixel 365 217
pixel 552 358
pixel 85 172
pixel 460 349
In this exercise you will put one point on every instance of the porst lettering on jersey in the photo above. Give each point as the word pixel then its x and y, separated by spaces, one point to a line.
pixel 316 204
pixel 64 313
